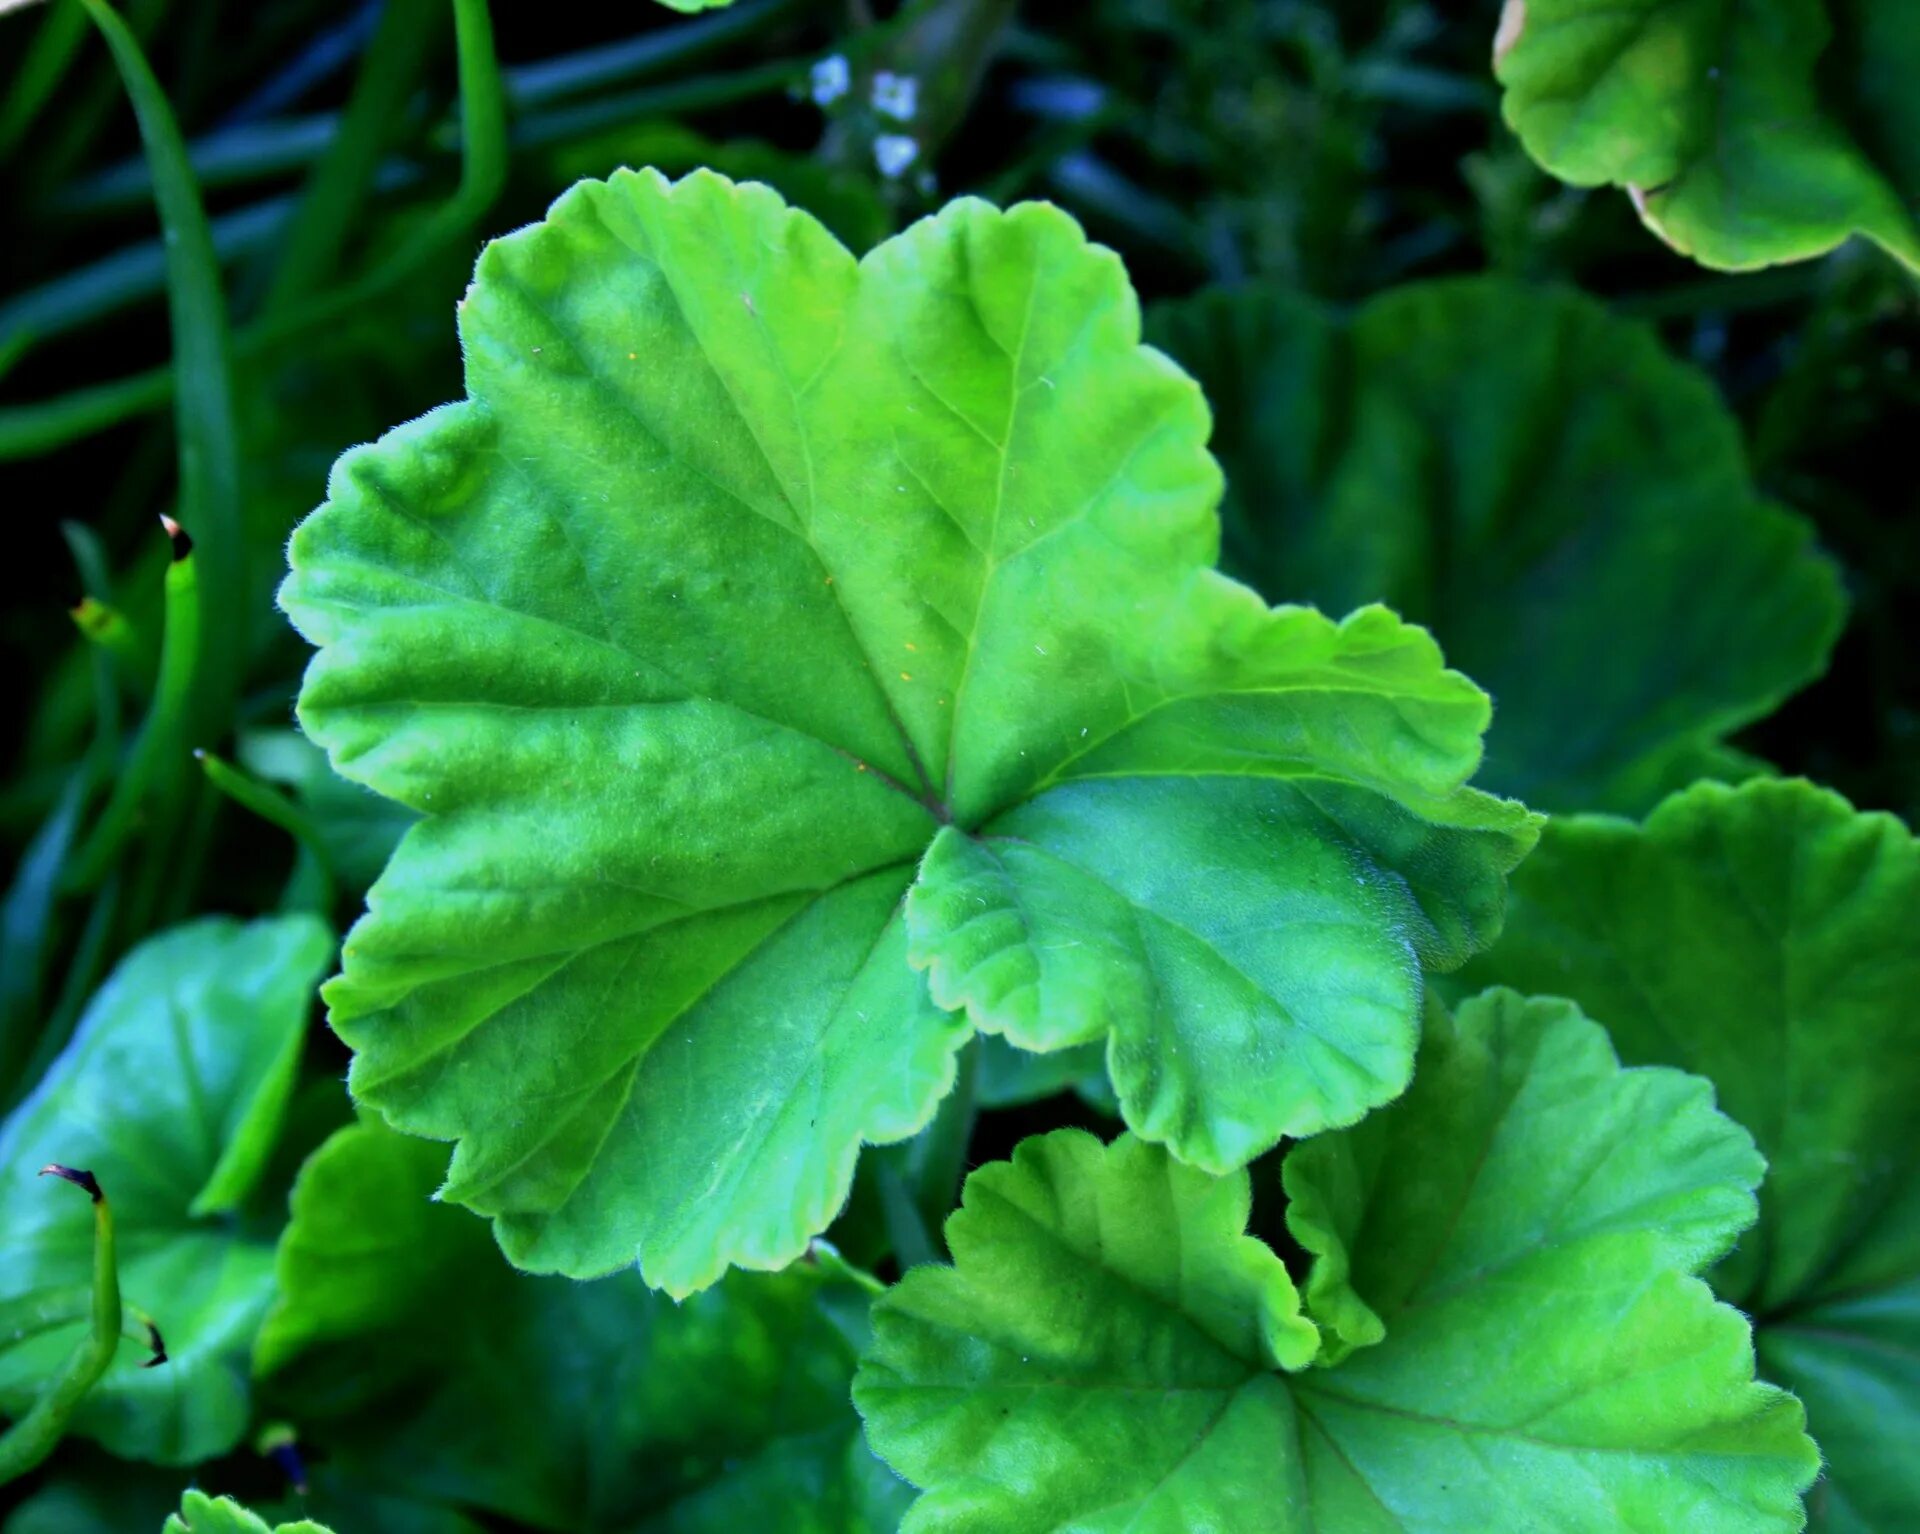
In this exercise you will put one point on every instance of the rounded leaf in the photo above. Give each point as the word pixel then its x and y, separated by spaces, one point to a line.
pixel 1565 504
pixel 746 573
pixel 1746 134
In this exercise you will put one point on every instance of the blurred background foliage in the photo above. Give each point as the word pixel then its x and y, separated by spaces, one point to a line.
pixel 1336 148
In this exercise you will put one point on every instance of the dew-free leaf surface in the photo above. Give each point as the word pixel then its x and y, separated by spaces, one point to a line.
pixel 1746 134
pixel 748 576
pixel 171 1093
pixel 406 1348
pixel 1766 938
pixel 1567 507
pixel 201 1514
pixel 1109 1351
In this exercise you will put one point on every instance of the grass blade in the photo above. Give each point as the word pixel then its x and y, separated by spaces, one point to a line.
pixel 204 419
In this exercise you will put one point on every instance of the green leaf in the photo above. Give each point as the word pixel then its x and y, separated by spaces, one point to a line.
pixel 1100 1354
pixel 420 1363
pixel 744 573
pixel 1251 986
pixel 201 1514
pixel 172 1093
pixel 1764 937
pixel 88 1493
pixel 1105 1342
pixel 1746 134
pixel 1517 469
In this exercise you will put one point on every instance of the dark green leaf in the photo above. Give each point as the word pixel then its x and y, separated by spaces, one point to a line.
pixel 1567 507
pixel 422 1364
pixel 171 1093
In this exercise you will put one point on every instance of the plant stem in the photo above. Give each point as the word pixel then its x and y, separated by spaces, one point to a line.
pixel 153 769
pixel 48 58
pixel 345 170
pixel 84 969
pixel 26 430
pixel 35 1436
pixel 204 419
pixel 315 885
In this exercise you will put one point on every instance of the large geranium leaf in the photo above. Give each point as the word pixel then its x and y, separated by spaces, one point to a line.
pixel 418 1362
pixel 1769 938
pixel 1746 134
pixel 1516 468
pixel 745 573
pixel 171 1094
pixel 1109 1352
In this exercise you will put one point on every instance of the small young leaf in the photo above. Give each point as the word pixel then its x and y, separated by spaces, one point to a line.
pixel 1765 937
pixel 1746 134
pixel 745 573
pixel 171 1093
pixel 1566 505
pixel 201 1514
pixel 421 1364
pixel 1548 1360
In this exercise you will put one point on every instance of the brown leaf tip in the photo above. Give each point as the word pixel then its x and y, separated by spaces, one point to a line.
pixel 75 1176
pixel 177 536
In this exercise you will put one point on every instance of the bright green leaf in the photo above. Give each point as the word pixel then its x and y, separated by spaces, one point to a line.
pixel 1094 1359
pixel 745 573
pixel 1105 1343
pixel 206 1515
pixel 419 1362
pixel 1765 937
pixel 172 1094
pixel 1251 986
pixel 1746 134
pixel 1518 469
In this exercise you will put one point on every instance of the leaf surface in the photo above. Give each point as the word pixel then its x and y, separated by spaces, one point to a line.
pixel 1746 134
pixel 172 1094
pixel 746 573
pixel 423 1365
pixel 1101 1354
pixel 201 1514
pixel 1565 505
pixel 1764 937
pixel 1104 1347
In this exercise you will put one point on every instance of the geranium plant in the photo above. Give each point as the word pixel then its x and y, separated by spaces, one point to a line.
pixel 920 931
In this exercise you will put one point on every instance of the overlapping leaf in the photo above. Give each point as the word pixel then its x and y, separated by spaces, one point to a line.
pixel 745 573
pixel 1567 507
pixel 171 1093
pixel 421 1364
pixel 1767 939
pixel 1745 134
pixel 1109 1351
